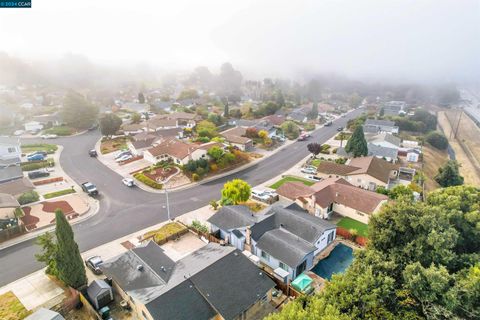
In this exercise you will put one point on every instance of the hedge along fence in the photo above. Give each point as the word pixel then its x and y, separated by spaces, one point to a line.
pixel 59 193
pixel 35 165
pixel 146 180
pixel 362 241
pixel 170 231
pixel 47 181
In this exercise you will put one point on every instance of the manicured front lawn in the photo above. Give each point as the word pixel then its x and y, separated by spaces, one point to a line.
pixel 277 184
pixel 58 193
pixel 60 131
pixel 348 223
pixel 164 232
pixel 11 308
pixel 47 147
pixel 111 145
pixel 315 162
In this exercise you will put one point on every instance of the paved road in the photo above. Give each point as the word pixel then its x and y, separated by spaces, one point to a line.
pixel 124 210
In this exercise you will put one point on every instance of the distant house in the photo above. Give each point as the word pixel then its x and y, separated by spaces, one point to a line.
pixel 394 108
pixel 177 151
pixel 33 126
pixel 275 119
pixel 285 239
pixel 379 126
pixel 184 119
pixel 236 137
pixel 298 115
pixel 141 142
pixel 365 172
pixel 214 282
pixel 159 123
pixel 378 151
pixel 135 106
pixel 48 120
pixel 413 155
pixel 132 128
pixel 384 139
pixel 10 149
pixel 334 195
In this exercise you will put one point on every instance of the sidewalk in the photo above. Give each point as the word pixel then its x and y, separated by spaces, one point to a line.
pixel 37 288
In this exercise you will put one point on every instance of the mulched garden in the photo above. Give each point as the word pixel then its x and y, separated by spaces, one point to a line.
pixel 160 174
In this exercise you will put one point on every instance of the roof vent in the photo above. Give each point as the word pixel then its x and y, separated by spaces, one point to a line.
pixel 140 267
pixel 163 269
pixel 235 253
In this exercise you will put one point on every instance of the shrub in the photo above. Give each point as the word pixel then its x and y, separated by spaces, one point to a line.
pixel 203 139
pixel 309 126
pixel 214 204
pixel 60 131
pixel 200 171
pixel 341 160
pixel 28 197
pixel 146 180
pixel 437 140
pixel 197 225
pixel 325 149
pixel 58 193
pixel 195 177
pixel 213 167
pixel 30 166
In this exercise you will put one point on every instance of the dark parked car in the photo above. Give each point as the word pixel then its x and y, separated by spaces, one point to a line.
pixel 92 153
pixel 36 157
pixel 340 129
pixel 328 123
pixel 38 174
pixel 93 263
pixel 89 188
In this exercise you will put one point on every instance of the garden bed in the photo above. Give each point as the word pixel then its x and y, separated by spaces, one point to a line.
pixel 111 145
pixel 160 173
pixel 167 232
pixel 11 308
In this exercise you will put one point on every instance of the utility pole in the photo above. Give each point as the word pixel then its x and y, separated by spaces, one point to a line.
pixel 168 205
pixel 458 123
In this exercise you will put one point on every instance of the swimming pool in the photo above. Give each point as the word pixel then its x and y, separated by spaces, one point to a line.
pixel 337 262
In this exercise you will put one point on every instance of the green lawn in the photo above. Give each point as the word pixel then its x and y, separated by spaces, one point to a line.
pixel 58 193
pixel 47 147
pixel 315 162
pixel 348 223
pixel 165 231
pixel 277 184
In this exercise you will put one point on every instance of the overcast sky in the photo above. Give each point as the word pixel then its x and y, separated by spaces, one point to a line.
pixel 397 39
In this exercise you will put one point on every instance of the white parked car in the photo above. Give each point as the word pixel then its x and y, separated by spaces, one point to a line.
pixel 121 153
pixel 49 136
pixel 18 132
pixel 124 158
pixel 312 177
pixel 128 182
pixel 309 170
pixel 264 195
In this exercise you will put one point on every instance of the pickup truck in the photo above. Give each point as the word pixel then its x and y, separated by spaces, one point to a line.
pixel 89 188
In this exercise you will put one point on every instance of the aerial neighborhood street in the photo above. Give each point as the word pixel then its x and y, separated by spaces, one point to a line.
pixel 239 160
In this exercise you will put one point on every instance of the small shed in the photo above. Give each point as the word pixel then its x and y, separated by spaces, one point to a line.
pixel 100 293
pixel 45 314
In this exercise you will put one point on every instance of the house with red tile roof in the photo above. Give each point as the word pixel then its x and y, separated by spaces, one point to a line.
pixel 178 151
pixel 334 195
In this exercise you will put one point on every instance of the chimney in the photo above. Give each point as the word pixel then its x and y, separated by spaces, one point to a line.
pixel 248 239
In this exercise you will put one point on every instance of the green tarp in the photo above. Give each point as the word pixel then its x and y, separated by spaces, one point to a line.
pixel 302 282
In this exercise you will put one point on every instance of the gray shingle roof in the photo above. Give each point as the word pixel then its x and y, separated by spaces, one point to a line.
pixel 97 287
pixel 285 246
pixel 386 123
pixel 381 152
pixel 232 284
pixel 10 173
pixel 300 224
pixel 231 217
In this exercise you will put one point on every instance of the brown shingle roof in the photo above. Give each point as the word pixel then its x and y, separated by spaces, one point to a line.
pixel 373 166
pixel 16 187
pixel 179 116
pixel 157 122
pixel 294 189
pixel 236 139
pixel 275 119
pixel 132 127
pixel 330 167
pixel 174 148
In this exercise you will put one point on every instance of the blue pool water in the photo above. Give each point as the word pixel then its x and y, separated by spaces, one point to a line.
pixel 337 262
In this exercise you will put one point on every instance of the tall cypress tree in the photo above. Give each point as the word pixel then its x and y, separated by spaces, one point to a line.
pixel 69 262
pixel 357 145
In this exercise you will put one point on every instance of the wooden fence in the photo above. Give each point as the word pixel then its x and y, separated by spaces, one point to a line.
pixel 362 241
pixel 47 181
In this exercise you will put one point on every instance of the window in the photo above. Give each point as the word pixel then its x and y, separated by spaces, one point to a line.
pixel 330 237
pixel 283 266
pixel 265 256
pixel 12 149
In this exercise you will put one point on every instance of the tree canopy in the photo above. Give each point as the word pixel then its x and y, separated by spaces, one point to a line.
pixel 437 139
pixel 422 262
pixel 314 148
pixel 449 174
pixel 77 111
pixel 290 129
pixel 235 192
pixel 357 145
pixel 109 124
pixel 68 260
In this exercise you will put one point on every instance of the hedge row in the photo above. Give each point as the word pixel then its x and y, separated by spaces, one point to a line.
pixel 146 180
pixel 58 193
pixel 28 197
pixel 37 165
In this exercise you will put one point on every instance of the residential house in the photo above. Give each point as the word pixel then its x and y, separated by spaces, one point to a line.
pixel 365 172
pixel 413 155
pixel 10 173
pixel 285 239
pixel 334 195
pixel 214 282
pixel 33 126
pixel 8 204
pixel 133 128
pixel 394 108
pixel 379 126
pixel 10 149
pixel 184 119
pixel 275 119
pixel 288 240
pixel 298 115
pixel 236 137
pixel 385 140
pixel 159 123
pixel 48 120
pixel 141 142
pixel 135 106
pixel 386 153
pixel 178 151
